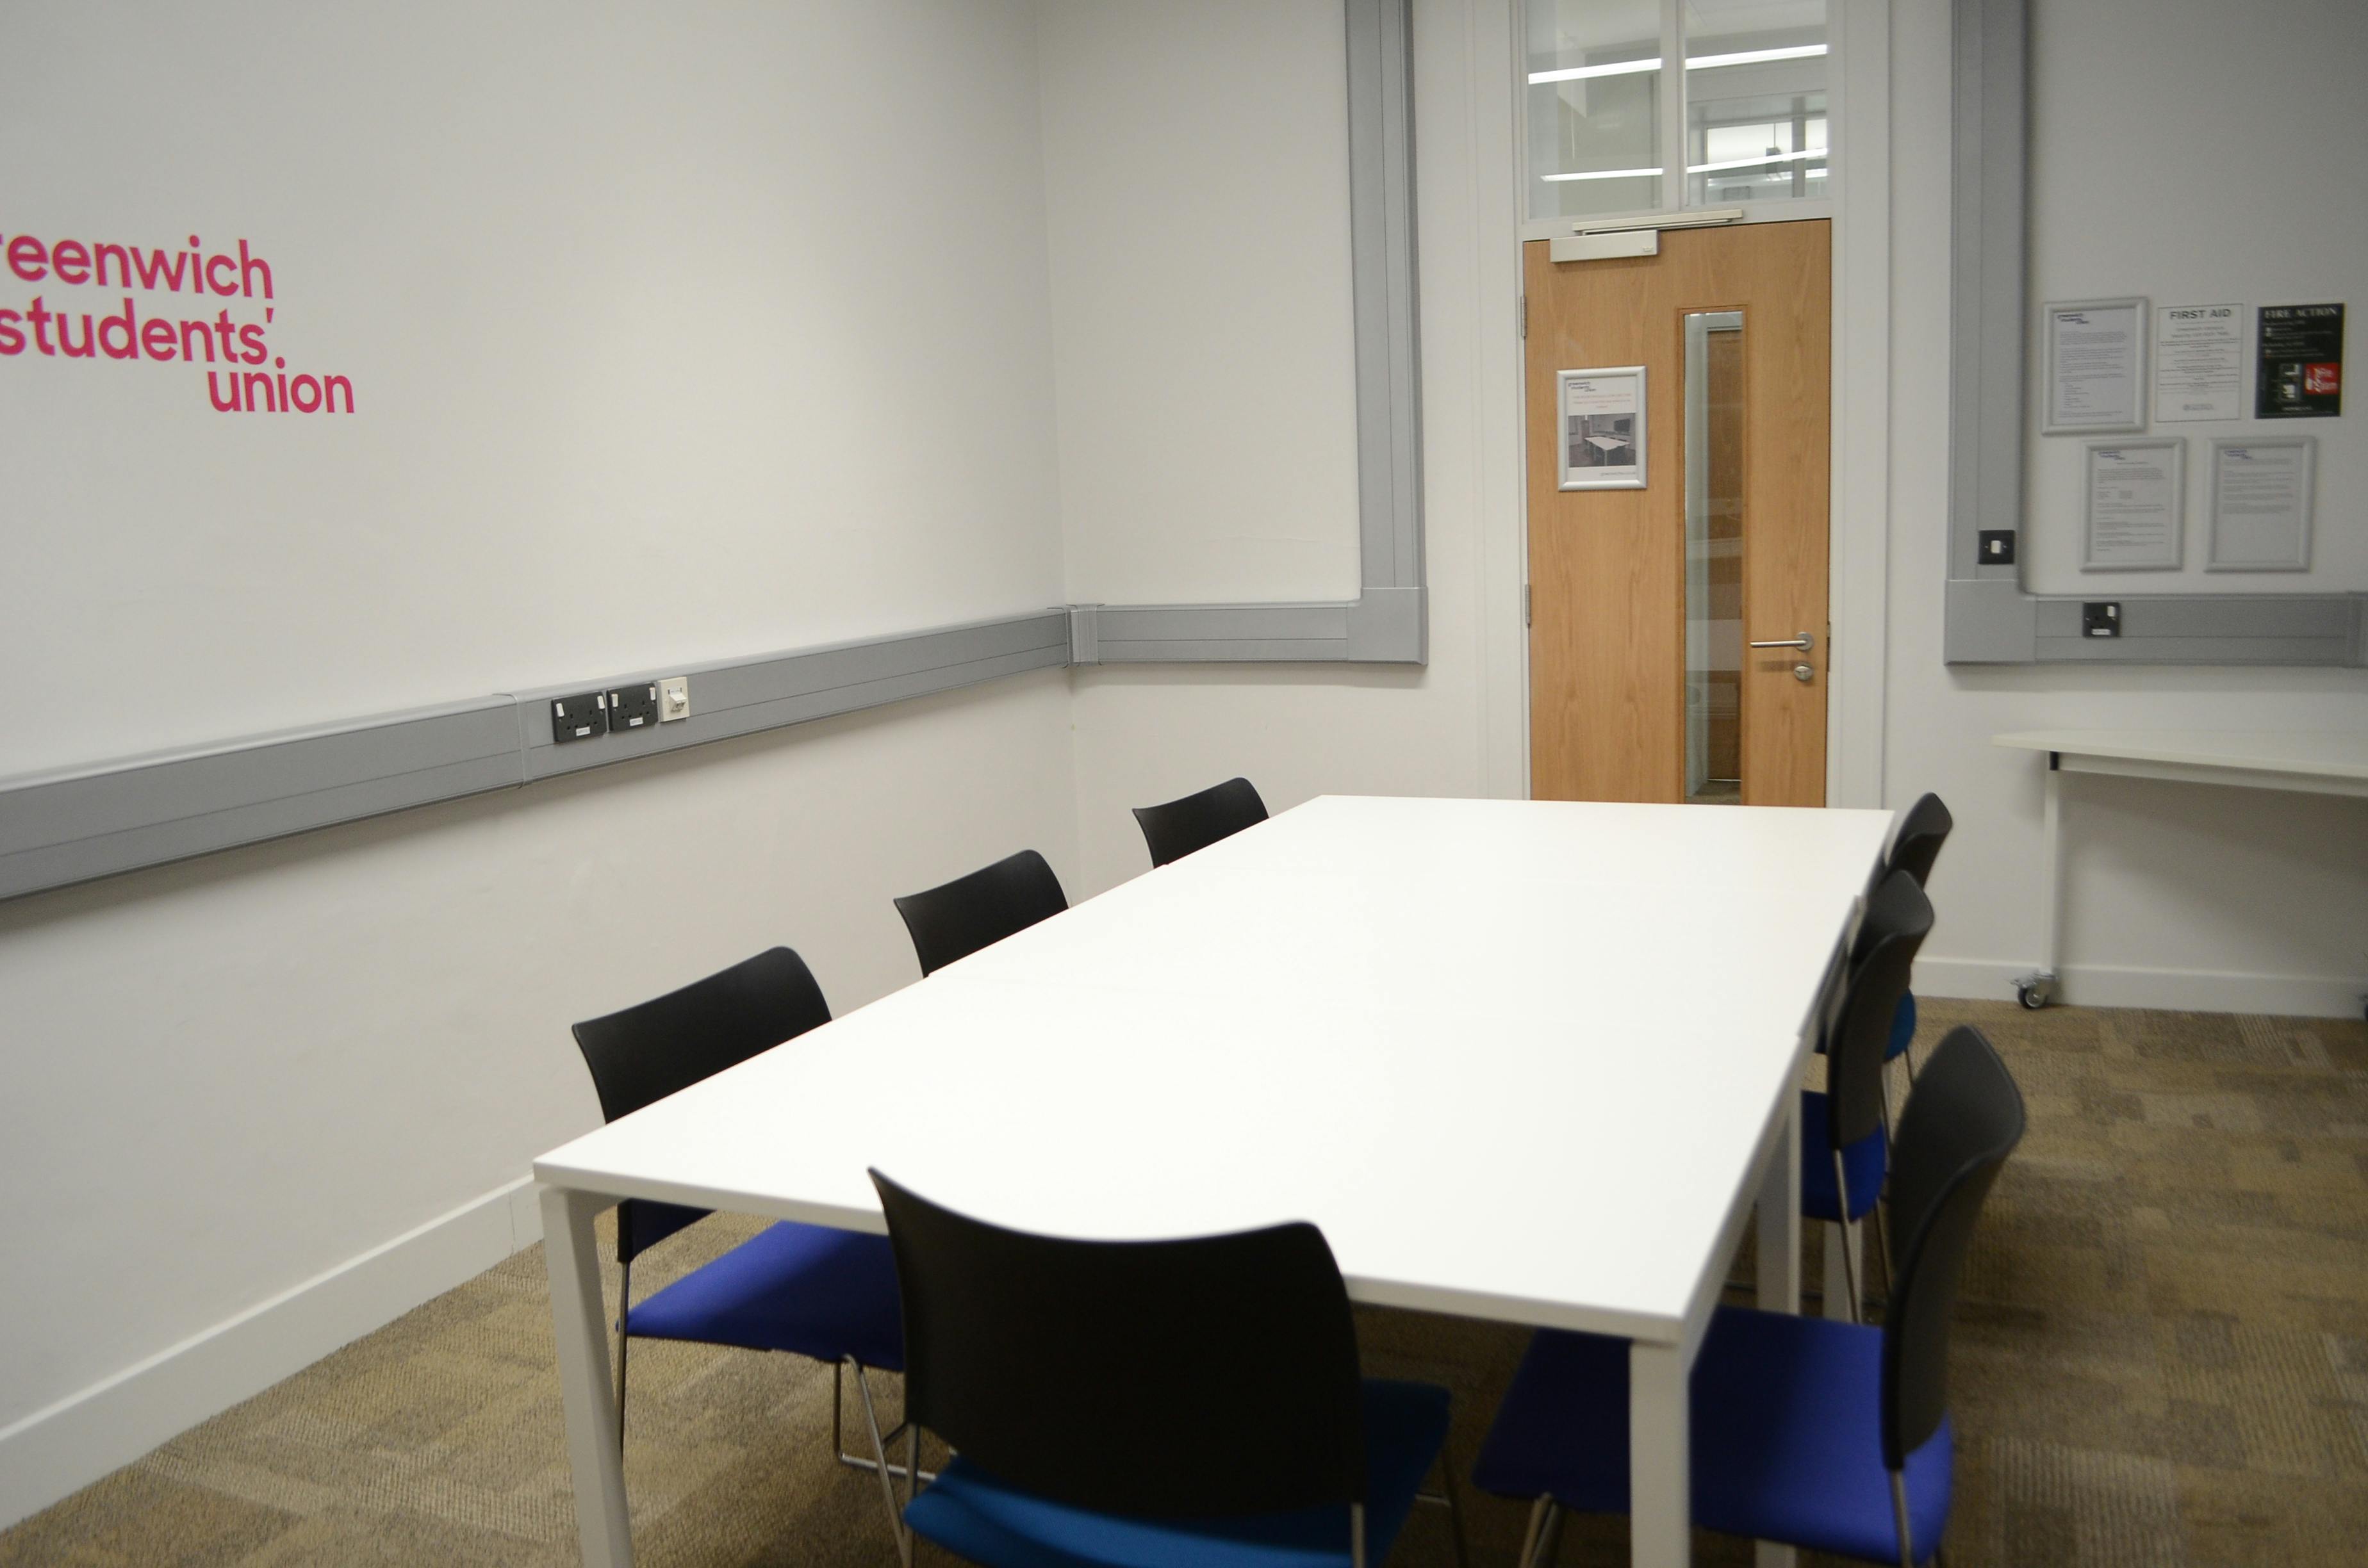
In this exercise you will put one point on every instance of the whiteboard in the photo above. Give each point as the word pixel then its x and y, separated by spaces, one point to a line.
pixel 659 341
pixel 2154 171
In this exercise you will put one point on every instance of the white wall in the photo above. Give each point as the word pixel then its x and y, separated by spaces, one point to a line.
pixel 1269 355
pixel 2177 896
pixel 702 332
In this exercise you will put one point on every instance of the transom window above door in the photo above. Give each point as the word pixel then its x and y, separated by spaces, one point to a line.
pixel 1738 87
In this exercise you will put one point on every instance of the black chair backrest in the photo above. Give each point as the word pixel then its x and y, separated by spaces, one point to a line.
pixel 1921 834
pixel 1899 916
pixel 1178 828
pixel 1208 1376
pixel 648 1052
pixel 969 913
pixel 1962 1119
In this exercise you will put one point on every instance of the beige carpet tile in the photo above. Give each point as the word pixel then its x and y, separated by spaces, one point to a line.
pixel 2160 1359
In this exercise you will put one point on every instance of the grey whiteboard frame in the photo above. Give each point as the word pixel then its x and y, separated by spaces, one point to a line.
pixel 1987 616
pixel 73 824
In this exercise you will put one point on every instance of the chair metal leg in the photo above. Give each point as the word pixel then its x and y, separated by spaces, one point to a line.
pixel 1530 1536
pixel 887 1482
pixel 1550 1538
pixel 624 1299
pixel 837 1440
pixel 1446 1498
pixel 1850 1263
pixel 1899 1517
pixel 1356 1535
pixel 1882 1214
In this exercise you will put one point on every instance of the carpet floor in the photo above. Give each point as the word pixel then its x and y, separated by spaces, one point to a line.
pixel 2161 1359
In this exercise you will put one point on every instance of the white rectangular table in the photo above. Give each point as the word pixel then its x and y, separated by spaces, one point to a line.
pixel 2317 762
pixel 1532 1062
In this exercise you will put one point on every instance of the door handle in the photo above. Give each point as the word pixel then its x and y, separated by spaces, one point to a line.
pixel 1804 643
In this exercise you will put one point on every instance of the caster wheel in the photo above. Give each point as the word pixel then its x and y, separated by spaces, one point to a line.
pixel 2036 992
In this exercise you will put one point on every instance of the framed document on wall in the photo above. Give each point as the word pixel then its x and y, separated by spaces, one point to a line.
pixel 2261 504
pixel 1599 418
pixel 2095 367
pixel 2136 512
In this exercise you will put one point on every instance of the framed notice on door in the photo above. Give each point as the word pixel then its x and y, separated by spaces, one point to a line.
pixel 1601 418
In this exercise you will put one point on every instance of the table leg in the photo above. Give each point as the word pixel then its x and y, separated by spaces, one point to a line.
pixel 2051 894
pixel 1660 1506
pixel 579 1319
pixel 1779 1266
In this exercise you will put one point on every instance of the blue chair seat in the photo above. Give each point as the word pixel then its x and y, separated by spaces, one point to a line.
pixel 974 1516
pixel 808 1290
pixel 1902 1027
pixel 1787 1443
pixel 1863 1165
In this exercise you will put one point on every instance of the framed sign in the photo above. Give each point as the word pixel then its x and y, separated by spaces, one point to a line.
pixel 2136 513
pixel 2301 352
pixel 1600 416
pixel 2261 504
pixel 2095 367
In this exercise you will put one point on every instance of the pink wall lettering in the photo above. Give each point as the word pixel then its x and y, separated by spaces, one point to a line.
pixel 56 327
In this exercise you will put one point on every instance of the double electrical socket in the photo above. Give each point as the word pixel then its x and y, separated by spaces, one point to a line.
pixel 619 710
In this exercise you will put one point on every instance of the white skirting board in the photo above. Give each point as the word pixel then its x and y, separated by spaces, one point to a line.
pixel 2177 990
pixel 63 1447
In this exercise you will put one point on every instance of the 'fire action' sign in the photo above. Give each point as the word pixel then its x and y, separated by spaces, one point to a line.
pixel 2301 373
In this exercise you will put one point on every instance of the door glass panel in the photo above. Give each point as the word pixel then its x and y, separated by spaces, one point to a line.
pixel 1595 84
pixel 1755 100
pixel 1713 466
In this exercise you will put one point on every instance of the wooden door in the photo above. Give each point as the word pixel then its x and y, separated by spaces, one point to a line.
pixel 1608 647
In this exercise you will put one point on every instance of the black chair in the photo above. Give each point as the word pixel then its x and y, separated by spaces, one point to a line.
pixel 1913 850
pixel 1138 1404
pixel 969 913
pixel 826 1294
pixel 1921 834
pixel 1843 1137
pixel 1828 1436
pixel 1178 828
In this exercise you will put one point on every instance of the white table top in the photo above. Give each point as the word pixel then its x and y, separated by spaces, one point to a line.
pixel 2323 754
pixel 1513 1057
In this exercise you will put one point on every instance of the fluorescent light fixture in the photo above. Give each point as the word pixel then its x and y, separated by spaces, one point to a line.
pixel 1755 163
pixel 1608 174
pixel 1588 73
pixel 1697 63
pixel 1751 57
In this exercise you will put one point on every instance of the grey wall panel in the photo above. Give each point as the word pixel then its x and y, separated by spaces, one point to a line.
pixel 70 827
pixel 2265 617
pixel 1388 621
pixel 743 695
pixel 1382 627
pixel 2127 649
pixel 1987 620
pixel 1383 258
pixel 77 824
